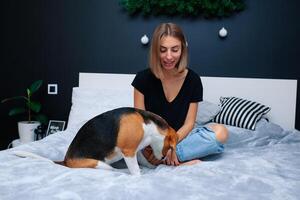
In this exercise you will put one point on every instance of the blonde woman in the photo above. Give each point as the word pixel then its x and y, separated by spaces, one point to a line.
pixel 172 90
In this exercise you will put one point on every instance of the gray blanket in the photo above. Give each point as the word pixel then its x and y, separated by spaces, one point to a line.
pixel 260 164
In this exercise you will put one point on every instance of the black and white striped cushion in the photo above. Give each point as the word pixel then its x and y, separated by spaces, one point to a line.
pixel 240 112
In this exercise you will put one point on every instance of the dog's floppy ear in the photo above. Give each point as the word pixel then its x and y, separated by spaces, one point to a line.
pixel 172 139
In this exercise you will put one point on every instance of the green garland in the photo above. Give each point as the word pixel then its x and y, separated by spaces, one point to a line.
pixel 185 8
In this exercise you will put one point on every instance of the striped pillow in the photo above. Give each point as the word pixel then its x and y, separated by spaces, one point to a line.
pixel 240 112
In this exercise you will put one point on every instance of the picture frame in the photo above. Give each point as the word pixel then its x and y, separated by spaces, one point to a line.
pixel 55 126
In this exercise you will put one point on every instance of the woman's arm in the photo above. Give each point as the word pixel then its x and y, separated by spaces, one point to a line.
pixel 189 121
pixel 171 157
pixel 138 99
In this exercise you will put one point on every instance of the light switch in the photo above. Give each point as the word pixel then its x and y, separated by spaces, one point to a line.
pixel 52 89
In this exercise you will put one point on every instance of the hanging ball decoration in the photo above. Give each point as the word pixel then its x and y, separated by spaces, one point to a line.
pixel 222 32
pixel 144 40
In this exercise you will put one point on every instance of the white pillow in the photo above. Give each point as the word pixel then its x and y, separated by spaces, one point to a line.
pixel 206 112
pixel 89 102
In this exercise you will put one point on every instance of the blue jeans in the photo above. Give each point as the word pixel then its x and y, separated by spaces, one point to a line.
pixel 200 142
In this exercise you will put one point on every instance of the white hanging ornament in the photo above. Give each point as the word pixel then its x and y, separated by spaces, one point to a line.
pixel 144 39
pixel 222 32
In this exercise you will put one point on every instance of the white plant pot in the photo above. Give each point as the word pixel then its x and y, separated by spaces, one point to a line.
pixel 26 130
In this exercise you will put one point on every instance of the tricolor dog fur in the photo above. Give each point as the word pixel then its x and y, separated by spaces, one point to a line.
pixel 117 134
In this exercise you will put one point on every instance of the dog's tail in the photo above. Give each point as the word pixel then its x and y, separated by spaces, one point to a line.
pixel 26 154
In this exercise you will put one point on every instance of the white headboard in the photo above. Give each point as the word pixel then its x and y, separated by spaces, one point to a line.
pixel 279 94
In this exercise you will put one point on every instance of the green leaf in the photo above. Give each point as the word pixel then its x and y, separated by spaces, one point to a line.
pixel 35 86
pixel 28 93
pixel 41 118
pixel 209 8
pixel 16 111
pixel 35 106
pixel 13 98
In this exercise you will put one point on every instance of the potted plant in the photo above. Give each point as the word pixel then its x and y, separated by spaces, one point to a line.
pixel 32 109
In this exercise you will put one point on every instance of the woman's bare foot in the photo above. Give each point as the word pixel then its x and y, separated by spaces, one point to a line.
pixel 191 162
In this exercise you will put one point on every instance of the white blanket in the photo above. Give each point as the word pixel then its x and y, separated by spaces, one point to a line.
pixel 261 164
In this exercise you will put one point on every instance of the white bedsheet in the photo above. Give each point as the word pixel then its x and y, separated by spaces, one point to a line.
pixel 261 164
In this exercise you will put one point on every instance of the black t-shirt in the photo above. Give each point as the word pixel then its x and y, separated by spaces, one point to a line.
pixel 173 112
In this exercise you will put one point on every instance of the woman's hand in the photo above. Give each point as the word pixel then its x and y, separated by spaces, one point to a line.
pixel 171 158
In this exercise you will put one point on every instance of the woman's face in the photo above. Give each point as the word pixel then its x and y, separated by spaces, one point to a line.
pixel 170 52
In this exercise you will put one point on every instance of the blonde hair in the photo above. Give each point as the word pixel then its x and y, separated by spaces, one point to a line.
pixel 162 30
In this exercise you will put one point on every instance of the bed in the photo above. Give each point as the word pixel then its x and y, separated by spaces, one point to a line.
pixel 260 161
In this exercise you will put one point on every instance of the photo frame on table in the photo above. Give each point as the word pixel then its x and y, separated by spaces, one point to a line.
pixel 55 126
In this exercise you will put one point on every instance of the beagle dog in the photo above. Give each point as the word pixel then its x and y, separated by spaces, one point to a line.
pixel 117 134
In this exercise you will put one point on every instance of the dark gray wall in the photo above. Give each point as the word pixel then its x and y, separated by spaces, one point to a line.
pixel 53 40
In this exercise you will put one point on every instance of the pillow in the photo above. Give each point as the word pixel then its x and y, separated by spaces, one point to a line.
pixel 240 112
pixel 206 112
pixel 89 102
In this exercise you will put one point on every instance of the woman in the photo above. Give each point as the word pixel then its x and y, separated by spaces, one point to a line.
pixel 172 90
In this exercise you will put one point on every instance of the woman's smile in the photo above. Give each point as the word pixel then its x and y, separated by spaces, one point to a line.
pixel 170 52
